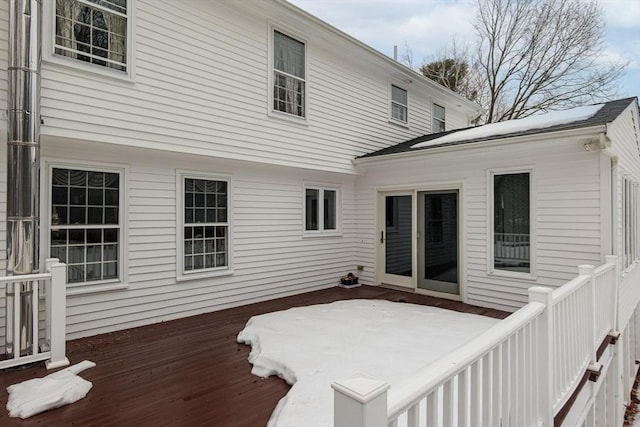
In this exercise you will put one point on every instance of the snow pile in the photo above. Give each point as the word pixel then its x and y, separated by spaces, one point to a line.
pixel 41 394
pixel 311 347
pixel 538 121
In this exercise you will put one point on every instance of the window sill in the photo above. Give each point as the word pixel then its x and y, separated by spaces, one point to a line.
pixel 290 118
pixel 319 234
pixel 526 277
pixel 86 289
pixel 89 69
pixel 399 123
pixel 203 275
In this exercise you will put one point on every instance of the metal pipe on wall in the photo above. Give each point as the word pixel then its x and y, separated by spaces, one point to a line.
pixel 23 163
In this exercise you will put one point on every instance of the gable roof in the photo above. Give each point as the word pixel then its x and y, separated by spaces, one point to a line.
pixel 606 113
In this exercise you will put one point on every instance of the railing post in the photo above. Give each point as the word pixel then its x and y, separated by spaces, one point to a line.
pixel 360 401
pixel 612 259
pixel 58 314
pixel 589 270
pixel 545 359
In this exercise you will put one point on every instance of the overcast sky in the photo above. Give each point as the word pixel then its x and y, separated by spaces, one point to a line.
pixel 428 25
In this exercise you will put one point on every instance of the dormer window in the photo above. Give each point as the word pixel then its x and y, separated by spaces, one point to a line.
pixel 92 31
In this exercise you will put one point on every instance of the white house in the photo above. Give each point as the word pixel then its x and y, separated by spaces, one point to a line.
pixel 483 214
pixel 198 155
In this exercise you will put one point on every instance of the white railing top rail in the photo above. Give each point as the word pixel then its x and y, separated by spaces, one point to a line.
pixel 25 278
pixel 569 288
pixel 604 268
pixel 403 396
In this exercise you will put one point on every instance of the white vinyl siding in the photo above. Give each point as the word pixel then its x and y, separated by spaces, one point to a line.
pixel 399 104
pixel 204 232
pixel 566 216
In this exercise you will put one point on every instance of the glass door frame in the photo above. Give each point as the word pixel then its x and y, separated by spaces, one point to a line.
pixel 411 283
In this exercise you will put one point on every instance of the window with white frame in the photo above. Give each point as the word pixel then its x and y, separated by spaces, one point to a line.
pixel 439 123
pixel 205 224
pixel 289 70
pixel 399 104
pixel 512 222
pixel 630 232
pixel 85 224
pixel 93 31
pixel 321 209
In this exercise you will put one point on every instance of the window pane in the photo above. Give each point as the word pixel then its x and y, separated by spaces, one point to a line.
pixel 511 222
pixel 288 55
pixel 93 199
pixel 329 209
pixel 311 209
pixel 92 34
pixel 398 95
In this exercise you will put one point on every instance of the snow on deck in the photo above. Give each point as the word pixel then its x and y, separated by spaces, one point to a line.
pixel 311 347
pixel 538 121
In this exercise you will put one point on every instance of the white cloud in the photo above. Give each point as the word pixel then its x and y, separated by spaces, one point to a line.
pixel 622 14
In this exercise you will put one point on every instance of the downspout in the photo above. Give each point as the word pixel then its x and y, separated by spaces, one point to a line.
pixel 23 157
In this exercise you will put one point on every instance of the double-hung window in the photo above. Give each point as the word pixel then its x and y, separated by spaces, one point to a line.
pixel 512 222
pixel 399 104
pixel 85 224
pixel 438 122
pixel 321 209
pixel 289 70
pixel 93 31
pixel 203 245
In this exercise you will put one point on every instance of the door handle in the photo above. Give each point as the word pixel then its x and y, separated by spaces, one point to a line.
pixel 382 237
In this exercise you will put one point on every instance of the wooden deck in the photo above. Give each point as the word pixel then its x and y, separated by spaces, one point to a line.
pixel 186 372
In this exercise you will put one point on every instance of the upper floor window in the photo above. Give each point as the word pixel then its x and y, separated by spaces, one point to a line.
pixel 321 209
pixel 93 31
pixel 438 119
pixel 511 222
pixel 289 70
pixel 399 104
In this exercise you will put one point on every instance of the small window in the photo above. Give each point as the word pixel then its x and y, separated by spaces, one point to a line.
pixel 511 222
pixel 399 104
pixel 289 70
pixel 439 124
pixel 630 232
pixel 205 225
pixel 321 209
pixel 92 31
pixel 85 230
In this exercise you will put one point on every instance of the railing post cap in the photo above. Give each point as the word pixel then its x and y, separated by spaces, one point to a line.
pixel 361 387
pixel 586 269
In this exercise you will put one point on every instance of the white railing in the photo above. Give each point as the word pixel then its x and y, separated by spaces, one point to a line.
pixel 511 248
pixel 52 346
pixel 518 373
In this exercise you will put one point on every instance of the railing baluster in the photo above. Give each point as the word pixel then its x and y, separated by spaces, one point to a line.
pixel 448 403
pixel 432 408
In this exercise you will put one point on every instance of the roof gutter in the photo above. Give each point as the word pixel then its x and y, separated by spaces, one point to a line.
pixel 584 131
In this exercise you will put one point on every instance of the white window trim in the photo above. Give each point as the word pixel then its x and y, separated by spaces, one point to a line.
pixel 49 55
pixel 491 270
pixel 630 221
pixel 433 117
pixel 321 232
pixel 391 102
pixel 79 288
pixel 271 112
pixel 181 275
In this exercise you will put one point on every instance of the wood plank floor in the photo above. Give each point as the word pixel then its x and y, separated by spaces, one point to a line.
pixel 186 372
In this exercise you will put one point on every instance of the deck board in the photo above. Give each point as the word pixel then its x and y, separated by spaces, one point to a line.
pixel 186 372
